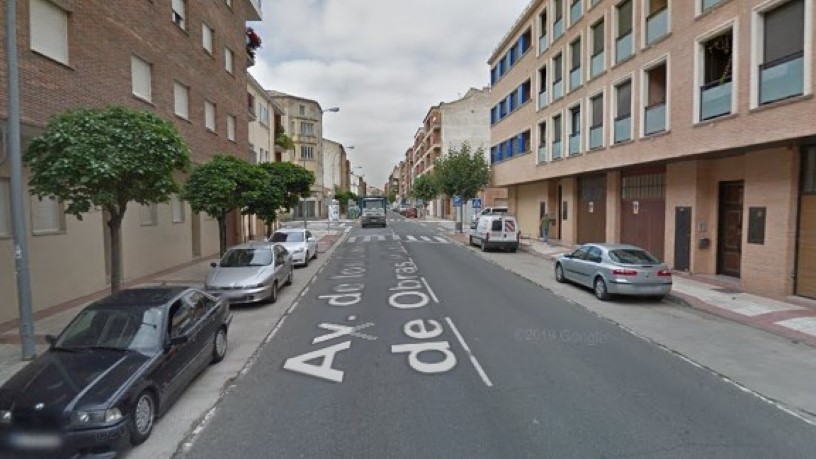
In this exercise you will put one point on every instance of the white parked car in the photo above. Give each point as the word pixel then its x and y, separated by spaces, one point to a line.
pixel 496 231
pixel 487 211
pixel 299 242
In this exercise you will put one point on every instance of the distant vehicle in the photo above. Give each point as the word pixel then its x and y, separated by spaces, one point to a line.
pixel 119 364
pixel 615 269
pixel 487 211
pixel 251 273
pixel 299 242
pixel 410 212
pixel 496 231
pixel 373 208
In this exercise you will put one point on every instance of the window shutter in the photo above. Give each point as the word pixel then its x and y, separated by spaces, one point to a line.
pixel 180 99
pixel 597 111
pixel 624 93
pixel 45 215
pixel 140 77
pixel 49 30
pixel 624 18
pixel 784 30
pixel 598 38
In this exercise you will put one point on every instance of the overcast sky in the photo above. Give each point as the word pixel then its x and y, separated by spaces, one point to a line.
pixel 383 62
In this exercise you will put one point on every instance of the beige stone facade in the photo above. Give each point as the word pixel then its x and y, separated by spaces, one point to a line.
pixel 681 126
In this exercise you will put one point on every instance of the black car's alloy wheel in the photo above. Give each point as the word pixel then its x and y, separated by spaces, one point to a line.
pixel 142 417
pixel 220 345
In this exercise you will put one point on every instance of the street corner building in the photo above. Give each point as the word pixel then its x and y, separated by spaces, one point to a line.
pixel 685 127
pixel 186 61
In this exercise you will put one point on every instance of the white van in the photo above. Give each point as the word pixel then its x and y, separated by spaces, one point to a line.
pixel 487 211
pixel 496 231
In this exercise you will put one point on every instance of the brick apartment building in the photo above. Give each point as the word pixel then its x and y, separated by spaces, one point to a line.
pixel 184 60
pixel 684 126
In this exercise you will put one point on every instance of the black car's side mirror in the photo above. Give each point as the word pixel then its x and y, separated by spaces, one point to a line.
pixel 176 340
pixel 50 339
pixel 214 264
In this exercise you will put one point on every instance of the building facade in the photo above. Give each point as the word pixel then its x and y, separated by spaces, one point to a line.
pixel 680 126
pixel 335 170
pixel 264 126
pixel 185 61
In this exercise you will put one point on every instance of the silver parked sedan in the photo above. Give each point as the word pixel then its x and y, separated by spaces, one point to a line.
pixel 251 273
pixel 300 242
pixel 615 269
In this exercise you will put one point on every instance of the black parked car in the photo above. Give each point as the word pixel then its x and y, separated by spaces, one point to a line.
pixel 119 364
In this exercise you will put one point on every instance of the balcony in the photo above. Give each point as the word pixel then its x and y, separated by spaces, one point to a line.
pixel 543 43
pixel 575 144
pixel 623 128
pixel 575 78
pixel 558 90
pixel 623 47
pixel 596 65
pixel 542 99
pixel 576 11
pixel 657 25
pixel 256 12
pixel 596 137
pixel 715 99
pixel 542 154
pixel 655 118
pixel 782 78
pixel 558 28
pixel 556 149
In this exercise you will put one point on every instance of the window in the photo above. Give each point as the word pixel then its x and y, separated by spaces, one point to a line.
pixel 209 115
pixel 556 135
pixel 596 107
pixel 264 114
pixel 302 110
pixel 181 96
pixel 623 112
pixel 207 38
pixel 140 78
pixel 542 87
pixel 782 63
pixel 149 214
pixel 558 19
pixel 706 5
pixel 231 128
pixel 5 208
pixel 180 13
pixel 716 94
pixel 307 152
pixel 576 11
pixel 46 216
pixel 49 30
pixel 623 41
pixel 575 130
pixel 228 58
pixel 177 208
pixel 558 75
pixel 306 128
pixel 597 64
pixel 575 64
pixel 542 142
pixel 542 32
pixel 657 20
pixel 655 92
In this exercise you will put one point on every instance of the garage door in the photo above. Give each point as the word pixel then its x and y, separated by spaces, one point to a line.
pixel 643 210
pixel 591 209
pixel 806 247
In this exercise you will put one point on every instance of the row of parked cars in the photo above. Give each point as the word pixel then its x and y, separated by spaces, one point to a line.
pixel 123 360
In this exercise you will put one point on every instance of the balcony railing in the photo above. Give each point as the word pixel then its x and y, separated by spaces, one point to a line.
pixel 708 4
pixel 596 137
pixel 558 90
pixel 782 78
pixel 657 25
pixel 623 47
pixel 558 28
pixel 543 43
pixel 556 149
pixel 542 99
pixel 575 143
pixel 542 154
pixel 655 118
pixel 623 128
pixel 576 11
pixel 715 99
pixel 575 78
pixel 596 64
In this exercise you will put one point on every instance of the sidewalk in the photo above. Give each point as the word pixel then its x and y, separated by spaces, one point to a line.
pixel 794 321
pixel 52 320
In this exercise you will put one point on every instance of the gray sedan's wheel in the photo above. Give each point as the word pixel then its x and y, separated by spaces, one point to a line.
pixel 220 345
pixel 273 297
pixel 484 246
pixel 142 418
pixel 559 273
pixel 601 292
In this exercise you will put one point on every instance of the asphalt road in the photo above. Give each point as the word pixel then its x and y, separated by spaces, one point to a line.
pixel 407 346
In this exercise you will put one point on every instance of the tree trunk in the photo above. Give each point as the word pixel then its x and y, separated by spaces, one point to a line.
pixel 268 230
pixel 115 229
pixel 222 234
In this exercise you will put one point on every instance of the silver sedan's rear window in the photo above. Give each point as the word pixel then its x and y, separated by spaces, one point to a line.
pixel 632 257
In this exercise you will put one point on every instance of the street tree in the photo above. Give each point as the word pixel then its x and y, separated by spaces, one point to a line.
pixel 425 188
pixel 266 202
pixel 462 172
pixel 343 197
pixel 221 185
pixel 106 158
pixel 295 181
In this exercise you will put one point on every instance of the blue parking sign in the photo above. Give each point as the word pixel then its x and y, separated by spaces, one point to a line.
pixel 457 201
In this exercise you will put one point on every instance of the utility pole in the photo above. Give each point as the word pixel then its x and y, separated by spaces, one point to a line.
pixel 29 349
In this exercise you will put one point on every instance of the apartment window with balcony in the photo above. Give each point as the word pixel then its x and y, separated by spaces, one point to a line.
pixel 231 128
pixel 623 36
pixel 140 78
pixel 558 19
pixel 596 117
pixel 49 30
pixel 5 208
pixel 181 97
pixel 229 57
pixel 597 62
pixel 657 19
pixel 576 11
pixel 542 87
pixel 623 112
pixel 207 34
pixel 542 142
pixel 149 214
pixel 576 75
pixel 558 77
pixel 655 88
pixel 307 152
pixel 575 130
pixel 781 71
pixel 306 128
pixel 180 13
pixel 716 92
pixel 543 27
pixel 556 135
pixel 209 115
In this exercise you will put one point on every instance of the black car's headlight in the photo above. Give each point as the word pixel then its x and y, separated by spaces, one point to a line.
pixel 5 416
pixel 95 417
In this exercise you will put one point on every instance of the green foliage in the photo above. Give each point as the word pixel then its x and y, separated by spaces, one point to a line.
pixel 392 196
pixel 106 157
pixel 343 197
pixel 295 181
pixel 425 187
pixel 462 172
pixel 223 184
pixel 268 200
pixel 284 141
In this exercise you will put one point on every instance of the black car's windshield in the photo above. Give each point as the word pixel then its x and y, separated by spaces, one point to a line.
pixel 287 237
pixel 134 329
pixel 632 257
pixel 241 258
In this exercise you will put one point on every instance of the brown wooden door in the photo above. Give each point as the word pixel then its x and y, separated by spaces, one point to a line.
pixel 729 232
pixel 643 211
pixel 806 244
pixel 682 238
pixel 591 211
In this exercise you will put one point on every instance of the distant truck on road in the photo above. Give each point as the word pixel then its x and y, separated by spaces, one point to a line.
pixel 373 211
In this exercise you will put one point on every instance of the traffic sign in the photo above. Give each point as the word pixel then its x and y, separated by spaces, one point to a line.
pixel 457 201
pixel 476 203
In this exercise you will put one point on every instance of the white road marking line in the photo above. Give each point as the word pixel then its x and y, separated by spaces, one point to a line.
pixel 473 360
pixel 303 293
pixel 430 290
pixel 367 239
pixel 442 240
pixel 426 238
pixel 411 238
pixel 395 237
pixel 314 279
pixel 352 239
pixel 292 308
pixel 380 237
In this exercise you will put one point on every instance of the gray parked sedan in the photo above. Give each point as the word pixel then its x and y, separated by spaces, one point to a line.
pixel 251 273
pixel 615 269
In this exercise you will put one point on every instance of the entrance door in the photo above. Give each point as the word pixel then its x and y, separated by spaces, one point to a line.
pixel 542 209
pixel 643 209
pixel 560 217
pixel 806 245
pixel 729 237
pixel 591 211
pixel 682 238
